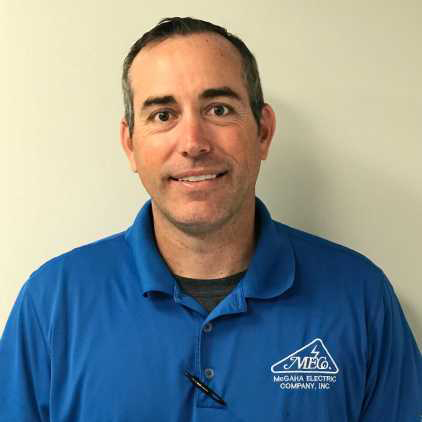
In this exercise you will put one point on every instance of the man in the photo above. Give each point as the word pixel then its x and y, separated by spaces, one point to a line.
pixel 205 309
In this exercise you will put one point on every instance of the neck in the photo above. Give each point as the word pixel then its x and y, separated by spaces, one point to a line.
pixel 221 252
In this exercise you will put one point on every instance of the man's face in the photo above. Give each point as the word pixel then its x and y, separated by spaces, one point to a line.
pixel 195 144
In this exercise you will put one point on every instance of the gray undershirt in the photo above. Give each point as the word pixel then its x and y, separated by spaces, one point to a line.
pixel 209 292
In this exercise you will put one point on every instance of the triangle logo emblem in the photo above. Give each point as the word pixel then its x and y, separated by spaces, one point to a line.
pixel 312 358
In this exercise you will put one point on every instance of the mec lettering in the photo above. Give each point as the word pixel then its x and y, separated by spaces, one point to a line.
pixel 308 362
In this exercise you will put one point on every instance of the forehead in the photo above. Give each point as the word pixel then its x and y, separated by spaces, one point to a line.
pixel 186 65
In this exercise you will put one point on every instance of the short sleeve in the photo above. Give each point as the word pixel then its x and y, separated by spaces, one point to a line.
pixel 394 374
pixel 24 365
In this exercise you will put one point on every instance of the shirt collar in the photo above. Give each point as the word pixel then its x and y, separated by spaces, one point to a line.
pixel 270 272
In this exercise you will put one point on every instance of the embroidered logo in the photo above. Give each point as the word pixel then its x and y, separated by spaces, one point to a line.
pixel 314 358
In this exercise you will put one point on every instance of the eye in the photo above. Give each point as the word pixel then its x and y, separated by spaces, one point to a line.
pixel 220 110
pixel 162 116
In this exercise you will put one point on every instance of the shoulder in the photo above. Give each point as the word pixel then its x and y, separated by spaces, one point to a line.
pixel 306 241
pixel 82 266
pixel 91 255
pixel 333 264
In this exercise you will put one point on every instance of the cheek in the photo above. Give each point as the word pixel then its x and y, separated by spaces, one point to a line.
pixel 145 153
pixel 244 150
pixel 145 162
pixel 154 149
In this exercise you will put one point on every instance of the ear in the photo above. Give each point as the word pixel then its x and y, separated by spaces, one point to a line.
pixel 127 143
pixel 266 130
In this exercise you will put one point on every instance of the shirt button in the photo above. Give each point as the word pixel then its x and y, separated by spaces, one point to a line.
pixel 209 373
pixel 207 327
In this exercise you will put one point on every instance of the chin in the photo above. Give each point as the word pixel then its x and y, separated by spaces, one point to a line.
pixel 198 221
pixel 195 217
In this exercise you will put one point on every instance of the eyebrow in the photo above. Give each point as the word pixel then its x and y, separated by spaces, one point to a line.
pixel 223 91
pixel 164 100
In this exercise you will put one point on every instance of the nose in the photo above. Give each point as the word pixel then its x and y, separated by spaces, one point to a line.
pixel 193 138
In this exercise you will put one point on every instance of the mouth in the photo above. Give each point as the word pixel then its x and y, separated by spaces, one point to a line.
pixel 199 182
pixel 198 178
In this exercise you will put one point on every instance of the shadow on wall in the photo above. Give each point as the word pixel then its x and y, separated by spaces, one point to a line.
pixel 324 187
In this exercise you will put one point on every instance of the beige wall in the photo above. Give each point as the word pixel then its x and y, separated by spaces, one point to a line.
pixel 344 78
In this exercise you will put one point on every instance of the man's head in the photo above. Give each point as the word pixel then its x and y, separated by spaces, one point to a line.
pixel 170 27
pixel 192 119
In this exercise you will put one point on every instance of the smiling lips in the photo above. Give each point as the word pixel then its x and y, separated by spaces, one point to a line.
pixel 197 177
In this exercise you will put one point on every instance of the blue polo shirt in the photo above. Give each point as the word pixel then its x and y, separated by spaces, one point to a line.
pixel 312 332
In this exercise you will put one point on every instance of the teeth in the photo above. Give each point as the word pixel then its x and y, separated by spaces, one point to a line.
pixel 198 178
